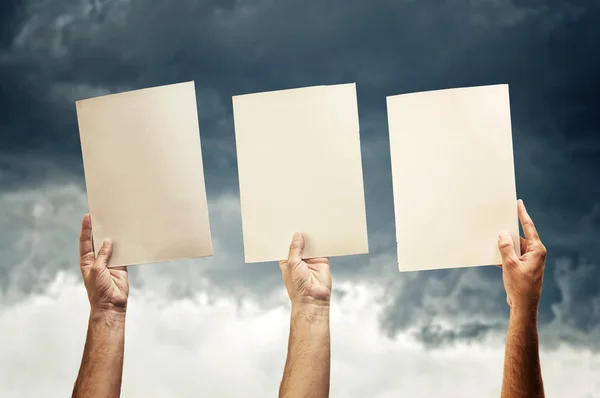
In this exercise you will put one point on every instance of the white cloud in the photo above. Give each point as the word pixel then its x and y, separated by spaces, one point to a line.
pixel 214 347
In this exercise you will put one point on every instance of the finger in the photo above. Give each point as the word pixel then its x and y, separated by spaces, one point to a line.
pixel 507 250
pixel 527 222
pixel 86 248
pixel 523 243
pixel 318 262
pixel 103 255
pixel 296 249
pixel 119 272
pixel 85 238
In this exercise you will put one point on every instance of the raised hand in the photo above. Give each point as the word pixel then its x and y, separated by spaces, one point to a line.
pixel 307 281
pixel 107 288
pixel 308 364
pixel 523 276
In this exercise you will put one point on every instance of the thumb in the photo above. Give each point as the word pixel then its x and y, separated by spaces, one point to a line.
pixel 296 248
pixel 507 250
pixel 103 255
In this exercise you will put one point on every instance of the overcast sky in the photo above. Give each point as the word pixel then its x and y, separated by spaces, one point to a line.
pixel 218 327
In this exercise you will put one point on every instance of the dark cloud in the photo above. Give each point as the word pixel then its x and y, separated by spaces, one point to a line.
pixel 426 302
pixel 53 53
pixel 451 306
pixel 435 335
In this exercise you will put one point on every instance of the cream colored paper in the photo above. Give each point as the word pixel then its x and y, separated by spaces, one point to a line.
pixel 453 176
pixel 144 174
pixel 300 169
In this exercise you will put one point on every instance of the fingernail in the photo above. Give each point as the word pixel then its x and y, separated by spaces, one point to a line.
pixel 106 242
pixel 503 233
pixel 296 235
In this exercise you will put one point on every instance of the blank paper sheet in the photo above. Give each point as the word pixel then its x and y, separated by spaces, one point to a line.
pixel 300 170
pixel 453 176
pixel 144 174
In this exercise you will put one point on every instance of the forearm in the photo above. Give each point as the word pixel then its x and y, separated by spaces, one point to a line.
pixel 306 373
pixel 102 363
pixel 522 372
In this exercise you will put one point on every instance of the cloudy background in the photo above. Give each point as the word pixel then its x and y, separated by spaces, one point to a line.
pixel 217 327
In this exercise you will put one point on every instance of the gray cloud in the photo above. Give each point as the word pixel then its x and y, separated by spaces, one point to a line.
pixel 240 350
pixel 54 52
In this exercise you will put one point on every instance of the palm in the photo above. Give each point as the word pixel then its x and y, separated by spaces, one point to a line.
pixel 312 278
pixel 523 275
pixel 308 279
pixel 112 286
pixel 105 286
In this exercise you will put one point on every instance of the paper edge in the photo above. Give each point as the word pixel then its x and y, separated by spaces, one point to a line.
pixel 516 241
pixel 95 247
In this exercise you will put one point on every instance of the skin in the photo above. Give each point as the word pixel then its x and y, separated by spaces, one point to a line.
pixel 523 277
pixel 108 289
pixel 308 283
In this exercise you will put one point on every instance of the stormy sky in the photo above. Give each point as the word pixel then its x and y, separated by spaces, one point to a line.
pixel 218 327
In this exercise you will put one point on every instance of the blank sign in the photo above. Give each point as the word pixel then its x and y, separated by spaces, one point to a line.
pixel 144 174
pixel 453 176
pixel 300 169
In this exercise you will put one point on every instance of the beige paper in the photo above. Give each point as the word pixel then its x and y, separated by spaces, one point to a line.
pixel 300 169
pixel 453 176
pixel 144 174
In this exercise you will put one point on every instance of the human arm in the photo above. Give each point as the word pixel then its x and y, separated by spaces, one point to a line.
pixel 523 278
pixel 308 282
pixel 108 289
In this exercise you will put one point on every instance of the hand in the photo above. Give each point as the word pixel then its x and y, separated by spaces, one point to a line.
pixel 306 281
pixel 107 288
pixel 523 276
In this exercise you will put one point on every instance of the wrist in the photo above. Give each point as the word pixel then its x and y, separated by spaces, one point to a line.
pixel 524 309
pixel 312 312
pixel 108 315
pixel 108 308
pixel 310 302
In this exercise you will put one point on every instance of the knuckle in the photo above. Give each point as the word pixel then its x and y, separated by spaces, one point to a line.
pixel 505 244
pixel 87 259
pixel 95 270
pixel 510 262
pixel 539 249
